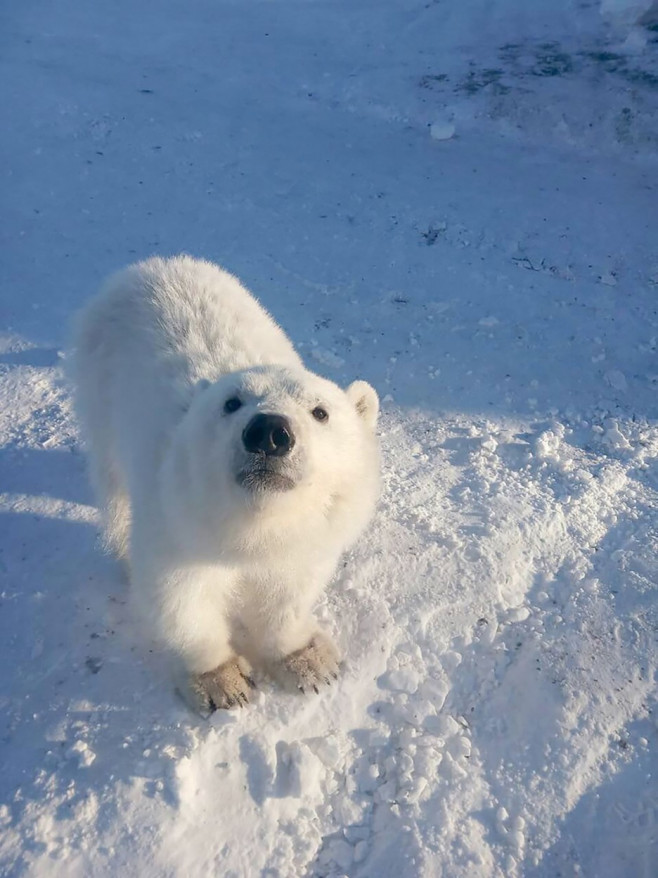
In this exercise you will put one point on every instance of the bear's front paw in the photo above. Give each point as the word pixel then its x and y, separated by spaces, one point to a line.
pixel 226 686
pixel 316 663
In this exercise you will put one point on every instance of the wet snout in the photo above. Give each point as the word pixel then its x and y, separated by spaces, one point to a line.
pixel 271 435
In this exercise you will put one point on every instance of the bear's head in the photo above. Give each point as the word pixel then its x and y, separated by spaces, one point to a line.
pixel 278 450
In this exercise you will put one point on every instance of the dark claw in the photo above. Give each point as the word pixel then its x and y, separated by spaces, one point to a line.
pixel 327 680
pixel 315 689
pixel 230 702
pixel 212 705
pixel 302 690
pixel 250 682
pixel 334 675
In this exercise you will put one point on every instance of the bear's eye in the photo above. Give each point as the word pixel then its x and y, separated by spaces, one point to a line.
pixel 232 405
pixel 319 413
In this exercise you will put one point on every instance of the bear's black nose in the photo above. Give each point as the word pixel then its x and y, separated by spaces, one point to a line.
pixel 268 434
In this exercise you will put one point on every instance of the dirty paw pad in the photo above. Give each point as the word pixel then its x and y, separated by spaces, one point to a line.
pixel 226 686
pixel 314 664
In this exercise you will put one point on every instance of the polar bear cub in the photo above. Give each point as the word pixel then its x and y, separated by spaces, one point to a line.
pixel 229 477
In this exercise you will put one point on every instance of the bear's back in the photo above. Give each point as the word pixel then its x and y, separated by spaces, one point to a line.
pixel 195 315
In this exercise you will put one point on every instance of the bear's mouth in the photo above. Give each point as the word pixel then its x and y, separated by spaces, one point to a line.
pixel 262 478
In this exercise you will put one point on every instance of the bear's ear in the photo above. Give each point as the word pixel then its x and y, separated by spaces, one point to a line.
pixel 365 400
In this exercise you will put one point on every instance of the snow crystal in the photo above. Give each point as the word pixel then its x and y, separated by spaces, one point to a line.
pixel 327 358
pixel 614 437
pixel 608 279
pixel 81 754
pixel 442 130
pixel 616 379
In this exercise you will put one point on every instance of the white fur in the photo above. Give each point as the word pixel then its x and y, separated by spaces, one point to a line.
pixel 218 569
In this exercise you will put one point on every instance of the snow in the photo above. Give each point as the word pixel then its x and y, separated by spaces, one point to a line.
pixel 442 130
pixel 496 713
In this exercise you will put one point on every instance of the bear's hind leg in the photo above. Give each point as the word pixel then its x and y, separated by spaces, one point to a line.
pixel 114 506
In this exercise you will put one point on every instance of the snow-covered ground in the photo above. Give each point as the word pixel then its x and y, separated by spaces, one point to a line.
pixel 457 201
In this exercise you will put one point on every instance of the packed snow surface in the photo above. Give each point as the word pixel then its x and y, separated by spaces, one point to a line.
pixel 458 202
